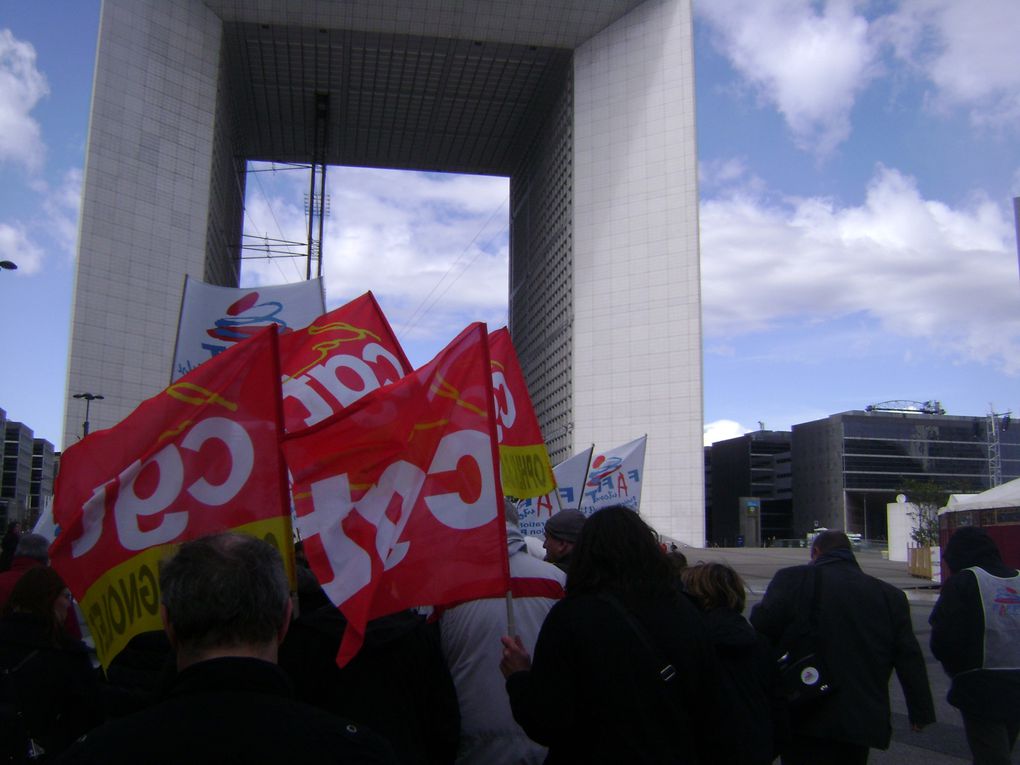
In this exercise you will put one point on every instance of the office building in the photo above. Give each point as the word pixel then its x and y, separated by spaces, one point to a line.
pixel 848 466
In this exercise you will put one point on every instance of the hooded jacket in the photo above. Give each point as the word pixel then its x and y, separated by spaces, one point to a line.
pixel 958 630
pixel 749 679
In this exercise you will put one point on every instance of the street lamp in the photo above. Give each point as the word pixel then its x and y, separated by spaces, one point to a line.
pixel 7 265
pixel 89 398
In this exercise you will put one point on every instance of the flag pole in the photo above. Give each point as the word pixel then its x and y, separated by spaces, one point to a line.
pixel 580 498
pixel 511 624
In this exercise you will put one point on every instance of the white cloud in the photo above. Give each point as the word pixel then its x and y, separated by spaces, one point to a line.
pixel 917 267
pixel 722 430
pixel 966 50
pixel 21 88
pixel 809 64
pixel 62 207
pixel 16 246
pixel 433 248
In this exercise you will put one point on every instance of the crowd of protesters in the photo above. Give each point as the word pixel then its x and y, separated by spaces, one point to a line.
pixel 619 652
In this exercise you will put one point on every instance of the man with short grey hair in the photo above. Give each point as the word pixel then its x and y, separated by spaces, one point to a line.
pixel 861 631
pixel 225 605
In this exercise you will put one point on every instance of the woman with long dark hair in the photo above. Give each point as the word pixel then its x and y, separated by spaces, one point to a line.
pixel 50 685
pixel 622 669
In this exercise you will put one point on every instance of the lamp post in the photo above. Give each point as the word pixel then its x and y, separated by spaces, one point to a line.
pixel 89 398
pixel 7 265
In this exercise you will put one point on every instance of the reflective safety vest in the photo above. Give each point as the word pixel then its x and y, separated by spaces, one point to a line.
pixel 1000 600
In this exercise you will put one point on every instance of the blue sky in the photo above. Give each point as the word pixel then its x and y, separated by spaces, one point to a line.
pixel 858 161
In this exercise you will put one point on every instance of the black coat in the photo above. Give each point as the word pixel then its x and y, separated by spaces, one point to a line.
pixel 593 694
pixel 758 719
pixel 398 684
pixel 865 633
pixel 957 631
pixel 230 710
pixel 56 687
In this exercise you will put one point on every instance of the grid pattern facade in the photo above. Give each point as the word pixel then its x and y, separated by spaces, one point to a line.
pixel 541 275
pixel 44 466
pixel 15 486
pixel 146 201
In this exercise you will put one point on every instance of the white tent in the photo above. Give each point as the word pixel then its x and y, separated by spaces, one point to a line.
pixel 1002 496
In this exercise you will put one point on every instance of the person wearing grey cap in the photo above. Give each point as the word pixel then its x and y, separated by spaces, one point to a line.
pixel 561 533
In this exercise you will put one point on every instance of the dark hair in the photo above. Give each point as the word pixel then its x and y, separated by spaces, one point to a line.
pixel 831 540
pixel 971 546
pixel 34 546
pixel 617 551
pixel 715 585
pixel 35 593
pixel 224 590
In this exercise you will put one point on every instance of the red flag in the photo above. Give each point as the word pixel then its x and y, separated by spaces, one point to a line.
pixel 398 499
pixel 336 360
pixel 200 457
pixel 525 470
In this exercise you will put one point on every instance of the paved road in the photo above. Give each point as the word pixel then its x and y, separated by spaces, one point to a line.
pixel 940 744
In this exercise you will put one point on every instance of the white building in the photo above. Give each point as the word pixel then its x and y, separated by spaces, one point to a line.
pixel 587 105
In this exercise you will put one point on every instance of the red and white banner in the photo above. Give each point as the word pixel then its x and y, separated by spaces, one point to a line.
pixel 216 318
pixel 397 498
pixel 570 476
pixel 202 456
pixel 524 462
pixel 338 358
pixel 615 478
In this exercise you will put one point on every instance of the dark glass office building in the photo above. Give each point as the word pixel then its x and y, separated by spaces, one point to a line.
pixel 848 466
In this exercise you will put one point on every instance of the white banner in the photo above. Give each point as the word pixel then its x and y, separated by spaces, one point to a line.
pixel 570 475
pixel 215 318
pixel 615 478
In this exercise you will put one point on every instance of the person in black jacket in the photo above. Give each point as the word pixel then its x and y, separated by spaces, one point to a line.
pixel 226 606
pixel 622 671
pixel 398 684
pixel 51 683
pixel 864 632
pixel 975 633
pixel 758 719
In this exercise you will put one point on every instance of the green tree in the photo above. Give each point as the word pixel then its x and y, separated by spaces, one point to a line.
pixel 927 497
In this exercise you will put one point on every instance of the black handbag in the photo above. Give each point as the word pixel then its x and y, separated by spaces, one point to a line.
pixel 804 676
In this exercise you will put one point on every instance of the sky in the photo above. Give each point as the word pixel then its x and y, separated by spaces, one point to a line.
pixel 857 165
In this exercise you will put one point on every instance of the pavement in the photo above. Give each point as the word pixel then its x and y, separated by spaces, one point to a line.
pixel 942 743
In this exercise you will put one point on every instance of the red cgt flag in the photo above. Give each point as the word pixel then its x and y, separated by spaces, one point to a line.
pixel 337 359
pixel 524 465
pixel 202 456
pixel 398 499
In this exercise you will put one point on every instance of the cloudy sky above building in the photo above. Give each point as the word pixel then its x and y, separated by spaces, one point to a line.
pixel 858 161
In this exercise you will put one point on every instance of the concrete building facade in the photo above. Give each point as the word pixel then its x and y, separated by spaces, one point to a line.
pixel 586 105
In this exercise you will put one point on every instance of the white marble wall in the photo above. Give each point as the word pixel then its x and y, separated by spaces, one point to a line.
pixel 637 294
pixel 145 201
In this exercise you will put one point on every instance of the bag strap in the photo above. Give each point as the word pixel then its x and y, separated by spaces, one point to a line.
pixel 668 672
pixel 12 670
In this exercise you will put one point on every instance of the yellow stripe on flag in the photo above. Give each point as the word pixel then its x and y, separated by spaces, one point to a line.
pixel 524 471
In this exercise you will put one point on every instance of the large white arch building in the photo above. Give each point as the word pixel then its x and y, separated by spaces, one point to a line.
pixel 587 105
